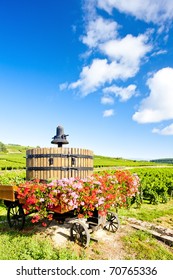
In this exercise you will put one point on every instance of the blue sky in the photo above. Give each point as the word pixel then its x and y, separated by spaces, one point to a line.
pixel 103 69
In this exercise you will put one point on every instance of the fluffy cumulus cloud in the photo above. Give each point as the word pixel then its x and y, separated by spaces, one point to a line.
pixel 129 48
pixel 156 11
pixel 128 52
pixel 125 56
pixel 124 93
pixel 96 75
pixel 158 105
pixel 99 30
pixel 100 72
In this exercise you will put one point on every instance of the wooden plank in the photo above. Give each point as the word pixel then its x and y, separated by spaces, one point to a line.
pixel 165 238
pixel 91 163
pixel 73 151
pixel 58 164
pixel 45 176
pixel 28 164
pixel 86 163
pixel 82 152
pixel 66 172
pixel 46 163
pixel 37 164
pixel 72 170
pixel 7 192
pixel 32 172
pixel 61 163
pixel 52 161
pixel 77 163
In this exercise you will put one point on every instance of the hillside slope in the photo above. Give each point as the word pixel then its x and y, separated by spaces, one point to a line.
pixel 14 157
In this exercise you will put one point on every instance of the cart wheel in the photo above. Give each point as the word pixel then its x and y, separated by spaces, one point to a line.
pixel 79 233
pixel 112 222
pixel 16 216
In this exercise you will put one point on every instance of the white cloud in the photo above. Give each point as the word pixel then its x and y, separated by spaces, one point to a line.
pixel 107 100
pixel 95 75
pixel 156 11
pixel 126 55
pixel 99 30
pixel 127 48
pixel 98 73
pixel 127 51
pixel 158 106
pixel 108 113
pixel 160 52
pixel 124 93
pixel 168 130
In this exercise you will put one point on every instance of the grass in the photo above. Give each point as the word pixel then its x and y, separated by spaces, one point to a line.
pixel 102 161
pixel 142 246
pixel 161 213
pixel 20 246
pixel 30 244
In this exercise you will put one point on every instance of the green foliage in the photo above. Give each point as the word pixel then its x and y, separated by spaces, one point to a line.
pixel 12 177
pixel 15 246
pixel 30 244
pixel 12 161
pixel 3 148
pixel 156 184
pixel 12 156
pixel 163 160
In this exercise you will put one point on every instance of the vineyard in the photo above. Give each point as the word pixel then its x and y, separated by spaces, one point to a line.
pixel 13 157
pixel 153 203
pixel 156 184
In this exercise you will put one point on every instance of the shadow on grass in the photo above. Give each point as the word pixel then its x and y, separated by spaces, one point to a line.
pixel 28 230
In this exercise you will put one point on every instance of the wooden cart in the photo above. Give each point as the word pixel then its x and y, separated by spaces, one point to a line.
pixel 80 230
pixel 15 212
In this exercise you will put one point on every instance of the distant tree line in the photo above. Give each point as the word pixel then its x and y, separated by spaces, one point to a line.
pixel 3 148
pixel 163 160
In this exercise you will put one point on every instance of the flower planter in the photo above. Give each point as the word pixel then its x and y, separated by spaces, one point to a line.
pixel 61 208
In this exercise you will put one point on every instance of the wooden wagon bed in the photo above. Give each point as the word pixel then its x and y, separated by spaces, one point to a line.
pixel 7 192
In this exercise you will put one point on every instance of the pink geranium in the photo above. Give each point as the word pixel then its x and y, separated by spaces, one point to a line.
pixel 82 195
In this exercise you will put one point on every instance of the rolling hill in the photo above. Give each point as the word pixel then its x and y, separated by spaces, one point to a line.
pixel 13 156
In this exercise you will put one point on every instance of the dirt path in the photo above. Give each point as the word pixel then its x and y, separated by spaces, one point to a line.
pixel 107 247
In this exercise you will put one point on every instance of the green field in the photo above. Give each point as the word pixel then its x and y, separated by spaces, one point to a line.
pixel 102 161
pixel 14 157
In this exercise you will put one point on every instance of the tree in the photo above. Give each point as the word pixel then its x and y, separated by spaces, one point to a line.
pixel 3 148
